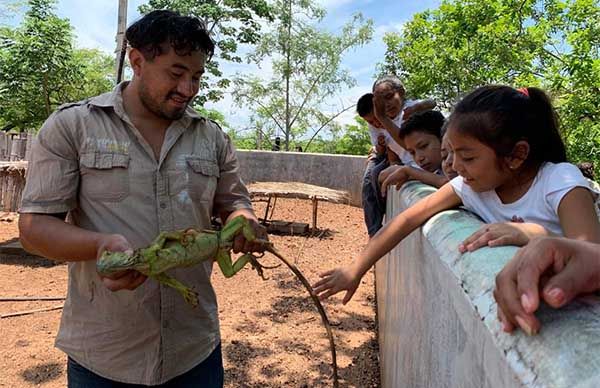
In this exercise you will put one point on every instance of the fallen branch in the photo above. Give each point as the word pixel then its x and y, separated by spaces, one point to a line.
pixel 28 298
pixel 27 312
pixel 296 271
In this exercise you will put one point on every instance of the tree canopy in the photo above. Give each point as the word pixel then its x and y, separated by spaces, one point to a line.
pixel 40 69
pixel 554 44
pixel 231 22
pixel 306 71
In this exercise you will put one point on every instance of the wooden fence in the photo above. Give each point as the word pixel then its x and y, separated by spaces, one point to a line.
pixel 15 146
pixel 12 182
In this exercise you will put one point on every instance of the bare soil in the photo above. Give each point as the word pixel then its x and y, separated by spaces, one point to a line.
pixel 272 334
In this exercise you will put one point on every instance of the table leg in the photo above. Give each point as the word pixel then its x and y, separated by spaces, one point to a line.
pixel 273 208
pixel 315 202
pixel 264 221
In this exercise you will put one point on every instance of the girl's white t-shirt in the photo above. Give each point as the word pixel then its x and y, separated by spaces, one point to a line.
pixel 538 205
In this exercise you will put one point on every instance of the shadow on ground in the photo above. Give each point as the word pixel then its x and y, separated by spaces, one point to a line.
pixel 42 373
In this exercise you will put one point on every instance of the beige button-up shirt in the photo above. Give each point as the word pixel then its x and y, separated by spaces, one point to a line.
pixel 91 161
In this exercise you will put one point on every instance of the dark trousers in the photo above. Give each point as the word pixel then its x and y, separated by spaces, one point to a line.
pixel 372 201
pixel 207 374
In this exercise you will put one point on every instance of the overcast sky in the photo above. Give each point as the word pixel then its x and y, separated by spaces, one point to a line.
pixel 95 23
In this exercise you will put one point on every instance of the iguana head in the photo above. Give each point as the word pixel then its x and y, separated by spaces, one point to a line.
pixel 113 262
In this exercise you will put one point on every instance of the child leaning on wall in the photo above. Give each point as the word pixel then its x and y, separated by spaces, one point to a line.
pixel 422 138
pixel 392 109
pixel 513 173
pixel 380 156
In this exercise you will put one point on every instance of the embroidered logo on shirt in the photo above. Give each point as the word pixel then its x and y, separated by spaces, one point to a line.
pixel 107 145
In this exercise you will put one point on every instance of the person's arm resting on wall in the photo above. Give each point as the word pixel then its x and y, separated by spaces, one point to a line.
pixel 552 269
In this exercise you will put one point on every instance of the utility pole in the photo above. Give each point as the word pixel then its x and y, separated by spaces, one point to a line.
pixel 120 38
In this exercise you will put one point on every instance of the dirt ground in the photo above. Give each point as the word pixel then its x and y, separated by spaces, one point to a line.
pixel 272 335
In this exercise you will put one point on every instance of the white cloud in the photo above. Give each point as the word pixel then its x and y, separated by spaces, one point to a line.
pixel 381 30
pixel 330 5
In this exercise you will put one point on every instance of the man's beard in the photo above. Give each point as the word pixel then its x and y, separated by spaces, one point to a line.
pixel 153 106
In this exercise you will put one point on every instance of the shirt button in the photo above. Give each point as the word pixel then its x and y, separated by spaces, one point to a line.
pixel 163 205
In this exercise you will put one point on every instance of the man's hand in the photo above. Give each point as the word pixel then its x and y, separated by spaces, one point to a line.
pixel 570 268
pixel 502 233
pixel 126 280
pixel 240 244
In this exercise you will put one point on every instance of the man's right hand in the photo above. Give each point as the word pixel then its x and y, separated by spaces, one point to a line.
pixel 125 280
pixel 553 269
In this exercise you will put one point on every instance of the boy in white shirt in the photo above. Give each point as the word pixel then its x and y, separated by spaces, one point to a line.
pixel 391 109
pixel 379 159
pixel 386 150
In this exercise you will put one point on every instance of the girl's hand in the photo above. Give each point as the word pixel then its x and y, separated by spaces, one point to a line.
pixel 379 107
pixel 336 280
pixel 502 233
pixel 397 178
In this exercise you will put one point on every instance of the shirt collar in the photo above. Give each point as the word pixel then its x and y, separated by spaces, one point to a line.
pixel 114 99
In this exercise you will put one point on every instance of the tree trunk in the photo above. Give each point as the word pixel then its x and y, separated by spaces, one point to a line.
pixel 121 27
pixel 288 75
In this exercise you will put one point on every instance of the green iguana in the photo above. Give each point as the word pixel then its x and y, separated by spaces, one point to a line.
pixel 190 247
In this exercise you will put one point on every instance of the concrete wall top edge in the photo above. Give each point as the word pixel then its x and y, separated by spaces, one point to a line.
pixel 266 152
pixel 566 353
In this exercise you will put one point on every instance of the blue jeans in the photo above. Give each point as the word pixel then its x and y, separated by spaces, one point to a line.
pixel 372 201
pixel 207 374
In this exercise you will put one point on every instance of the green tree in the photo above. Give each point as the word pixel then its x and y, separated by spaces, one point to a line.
pixel 555 44
pixel 306 71
pixel 231 22
pixel 355 140
pixel 40 70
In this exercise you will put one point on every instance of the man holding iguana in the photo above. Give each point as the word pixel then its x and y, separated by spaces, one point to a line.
pixel 127 165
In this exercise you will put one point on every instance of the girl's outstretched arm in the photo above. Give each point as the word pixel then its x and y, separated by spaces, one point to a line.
pixel 348 277
pixel 578 217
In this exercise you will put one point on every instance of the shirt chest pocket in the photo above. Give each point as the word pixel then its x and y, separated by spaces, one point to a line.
pixel 104 176
pixel 197 178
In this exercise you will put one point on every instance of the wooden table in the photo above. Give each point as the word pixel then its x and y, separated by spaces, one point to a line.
pixel 273 190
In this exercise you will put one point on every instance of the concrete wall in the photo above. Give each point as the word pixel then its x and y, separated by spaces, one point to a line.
pixel 437 316
pixel 340 172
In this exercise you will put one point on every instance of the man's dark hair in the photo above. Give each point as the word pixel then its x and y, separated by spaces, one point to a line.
pixel 364 105
pixel 429 121
pixel 183 33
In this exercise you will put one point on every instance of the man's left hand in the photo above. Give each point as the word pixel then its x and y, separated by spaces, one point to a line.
pixel 240 244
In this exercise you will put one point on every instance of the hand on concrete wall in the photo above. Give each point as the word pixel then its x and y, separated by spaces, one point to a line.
pixel 555 270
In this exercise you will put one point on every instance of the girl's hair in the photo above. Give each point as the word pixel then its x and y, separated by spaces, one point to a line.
pixel 393 81
pixel 500 116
